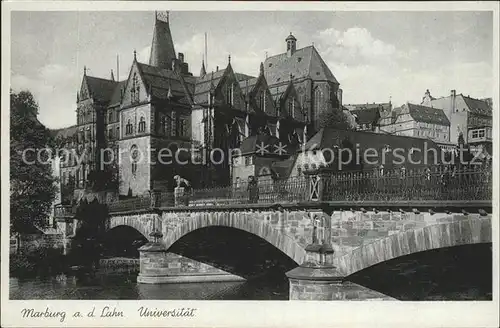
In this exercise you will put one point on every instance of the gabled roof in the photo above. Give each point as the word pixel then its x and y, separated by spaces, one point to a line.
pixel 247 85
pixel 381 106
pixel 101 90
pixel 116 98
pixel 328 138
pixel 158 81
pixel 364 116
pixel 203 84
pixel 252 145
pixel 283 169
pixel 428 114
pixel 305 62
pixel 478 106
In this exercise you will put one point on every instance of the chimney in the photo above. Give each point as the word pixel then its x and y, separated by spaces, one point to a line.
pixel 339 97
pixel 453 96
pixel 217 68
pixel 185 68
pixel 181 57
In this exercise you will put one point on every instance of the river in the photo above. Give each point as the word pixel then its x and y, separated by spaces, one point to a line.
pixel 123 286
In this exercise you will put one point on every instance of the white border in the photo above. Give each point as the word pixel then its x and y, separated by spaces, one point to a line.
pixel 253 313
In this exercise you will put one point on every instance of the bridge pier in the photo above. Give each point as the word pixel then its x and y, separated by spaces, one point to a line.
pixel 317 278
pixel 158 266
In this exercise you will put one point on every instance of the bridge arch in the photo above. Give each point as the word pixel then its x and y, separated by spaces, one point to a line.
pixel 463 232
pixel 130 221
pixel 259 225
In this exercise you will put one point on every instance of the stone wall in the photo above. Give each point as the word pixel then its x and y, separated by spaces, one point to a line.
pixel 27 243
pixel 291 230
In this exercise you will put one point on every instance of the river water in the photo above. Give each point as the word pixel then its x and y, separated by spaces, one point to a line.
pixel 124 286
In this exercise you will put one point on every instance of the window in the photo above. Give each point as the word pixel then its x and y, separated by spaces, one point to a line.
pixel 165 123
pixel 142 124
pixel 134 155
pixel 229 96
pixel 118 132
pixel 110 134
pixel 173 124
pixel 110 116
pixel 318 100
pixel 248 160
pixel 183 127
pixel 134 91
pixel 291 108
pixel 481 133
pixel 262 101
pixel 128 128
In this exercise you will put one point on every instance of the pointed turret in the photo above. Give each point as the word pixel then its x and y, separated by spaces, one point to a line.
pixel 162 46
pixel 261 70
pixel 203 71
pixel 112 76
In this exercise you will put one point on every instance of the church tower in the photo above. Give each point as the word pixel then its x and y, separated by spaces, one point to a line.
pixel 162 46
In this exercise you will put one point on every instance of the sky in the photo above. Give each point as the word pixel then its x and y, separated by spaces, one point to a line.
pixel 375 56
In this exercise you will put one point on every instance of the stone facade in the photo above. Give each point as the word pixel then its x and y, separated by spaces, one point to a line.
pixel 291 230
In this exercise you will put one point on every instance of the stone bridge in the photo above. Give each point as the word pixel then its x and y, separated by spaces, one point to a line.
pixel 321 243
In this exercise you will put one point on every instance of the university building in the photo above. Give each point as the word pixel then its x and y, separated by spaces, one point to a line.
pixel 164 106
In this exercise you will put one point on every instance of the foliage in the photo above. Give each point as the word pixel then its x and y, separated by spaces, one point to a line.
pixel 44 261
pixel 67 190
pixel 334 119
pixel 86 247
pixel 32 188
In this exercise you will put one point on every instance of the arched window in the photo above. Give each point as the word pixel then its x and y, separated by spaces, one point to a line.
pixel 134 91
pixel 318 102
pixel 117 132
pixel 230 94
pixel 128 128
pixel 262 101
pixel 134 155
pixel 142 124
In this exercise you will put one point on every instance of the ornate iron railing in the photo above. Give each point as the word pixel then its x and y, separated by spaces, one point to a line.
pixel 471 183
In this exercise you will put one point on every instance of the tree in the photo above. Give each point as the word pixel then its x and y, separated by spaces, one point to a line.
pixel 32 188
pixel 334 118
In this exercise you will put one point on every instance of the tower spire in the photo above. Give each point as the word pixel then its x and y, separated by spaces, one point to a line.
pixel 162 45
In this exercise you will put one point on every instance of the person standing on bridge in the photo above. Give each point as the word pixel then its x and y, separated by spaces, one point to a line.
pixel 183 183
pixel 253 189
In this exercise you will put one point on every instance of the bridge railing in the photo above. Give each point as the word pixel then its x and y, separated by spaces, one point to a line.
pixel 435 183
pixel 131 204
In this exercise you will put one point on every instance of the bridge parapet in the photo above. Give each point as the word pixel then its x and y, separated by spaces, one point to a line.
pixel 417 188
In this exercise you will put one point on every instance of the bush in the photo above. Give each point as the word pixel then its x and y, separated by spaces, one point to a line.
pixel 44 261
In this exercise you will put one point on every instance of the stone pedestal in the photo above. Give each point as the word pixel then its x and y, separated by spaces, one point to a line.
pixel 316 279
pixel 153 264
pixel 180 197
